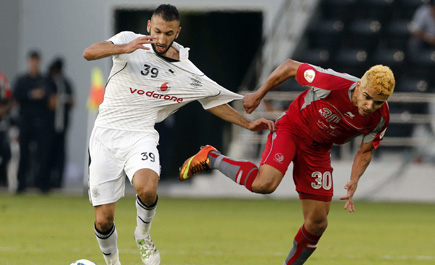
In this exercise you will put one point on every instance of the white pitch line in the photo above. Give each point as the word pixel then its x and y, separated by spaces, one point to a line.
pixel 389 257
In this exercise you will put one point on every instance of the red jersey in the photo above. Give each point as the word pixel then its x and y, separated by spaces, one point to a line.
pixel 325 111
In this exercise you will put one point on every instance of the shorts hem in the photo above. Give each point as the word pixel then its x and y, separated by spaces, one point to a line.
pixel 316 197
pixel 99 203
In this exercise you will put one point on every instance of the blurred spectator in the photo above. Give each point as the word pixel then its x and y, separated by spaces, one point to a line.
pixel 61 101
pixel 5 107
pixel 423 28
pixel 34 125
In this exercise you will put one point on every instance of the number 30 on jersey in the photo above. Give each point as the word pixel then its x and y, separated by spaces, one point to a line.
pixel 322 180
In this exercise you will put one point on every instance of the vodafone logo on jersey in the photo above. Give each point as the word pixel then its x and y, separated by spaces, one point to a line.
pixel 309 75
pixel 164 86
pixel 153 94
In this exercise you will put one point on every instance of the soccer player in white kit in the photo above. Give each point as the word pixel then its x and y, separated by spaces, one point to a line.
pixel 150 79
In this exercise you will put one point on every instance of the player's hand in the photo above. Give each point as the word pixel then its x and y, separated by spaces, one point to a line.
pixel 262 124
pixel 351 188
pixel 138 43
pixel 251 102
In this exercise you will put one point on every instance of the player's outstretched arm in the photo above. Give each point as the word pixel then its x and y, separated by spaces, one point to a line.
pixel 283 72
pixel 360 163
pixel 227 113
pixel 106 48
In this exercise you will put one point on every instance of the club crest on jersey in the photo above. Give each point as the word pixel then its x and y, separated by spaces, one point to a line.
pixel 164 86
pixel 279 158
pixel 195 82
pixel 309 75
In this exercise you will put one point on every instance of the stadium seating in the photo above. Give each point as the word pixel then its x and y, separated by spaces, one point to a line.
pixel 380 10
pixel 392 57
pixel 353 61
pixel 338 9
pixel 397 33
pixel 363 34
pixel 326 34
pixel 405 9
pixel 317 56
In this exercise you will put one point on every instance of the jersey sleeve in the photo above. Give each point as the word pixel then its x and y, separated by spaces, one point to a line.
pixel 123 37
pixel 327 79
pixel 218 95
pixel 378 133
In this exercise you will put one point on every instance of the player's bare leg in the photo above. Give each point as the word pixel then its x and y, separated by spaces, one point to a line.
pixel 145 182
pixel 315 223
pixel 106 233
pixel 267 180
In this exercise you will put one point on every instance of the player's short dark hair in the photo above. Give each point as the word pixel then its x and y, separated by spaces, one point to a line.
pixel 167 12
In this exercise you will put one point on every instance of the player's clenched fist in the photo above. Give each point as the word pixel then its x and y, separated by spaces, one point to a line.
pixel 251 102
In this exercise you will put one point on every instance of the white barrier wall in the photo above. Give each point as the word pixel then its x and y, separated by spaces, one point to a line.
pixel 382 181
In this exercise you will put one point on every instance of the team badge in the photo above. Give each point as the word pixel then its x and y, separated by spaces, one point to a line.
pixel 279 158
pixel 309 75
pixel 195 82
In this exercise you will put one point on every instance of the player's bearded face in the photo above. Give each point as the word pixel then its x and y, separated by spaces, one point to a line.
pixel 165 31
pixel 367 100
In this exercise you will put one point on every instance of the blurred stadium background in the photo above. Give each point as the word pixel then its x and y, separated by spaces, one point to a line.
pixel 236 43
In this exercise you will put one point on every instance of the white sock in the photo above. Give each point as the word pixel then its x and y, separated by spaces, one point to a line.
pixel 145 215
pixel 108 245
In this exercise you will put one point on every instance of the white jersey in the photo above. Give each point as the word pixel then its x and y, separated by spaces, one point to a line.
pixel 144 88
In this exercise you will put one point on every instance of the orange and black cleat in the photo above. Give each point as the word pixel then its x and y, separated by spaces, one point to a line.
pixel 196 163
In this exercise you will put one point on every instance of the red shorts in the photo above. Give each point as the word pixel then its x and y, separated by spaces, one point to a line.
pixel 312 171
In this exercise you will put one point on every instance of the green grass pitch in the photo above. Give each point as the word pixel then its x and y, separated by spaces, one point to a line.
pixel 58 229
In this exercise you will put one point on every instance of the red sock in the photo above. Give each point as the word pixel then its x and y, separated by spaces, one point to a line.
pixel 304 245
pixel 241 172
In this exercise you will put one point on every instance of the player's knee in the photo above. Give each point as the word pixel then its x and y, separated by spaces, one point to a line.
pixel 317 226
pixel 104 224
pixel 264 186
pixel 147 195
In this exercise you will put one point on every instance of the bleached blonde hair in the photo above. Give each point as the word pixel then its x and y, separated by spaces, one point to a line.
pixel 380 78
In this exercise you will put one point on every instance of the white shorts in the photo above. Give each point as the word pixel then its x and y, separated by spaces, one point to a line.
pixel 115 154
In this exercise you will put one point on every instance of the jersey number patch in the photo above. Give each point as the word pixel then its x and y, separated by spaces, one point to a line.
pixel 148 69
pixel 150 156
pixel 322 180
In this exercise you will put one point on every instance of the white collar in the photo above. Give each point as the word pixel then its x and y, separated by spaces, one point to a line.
pixel 184 52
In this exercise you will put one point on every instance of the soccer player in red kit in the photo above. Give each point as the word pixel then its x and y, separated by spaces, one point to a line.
pixel 335 108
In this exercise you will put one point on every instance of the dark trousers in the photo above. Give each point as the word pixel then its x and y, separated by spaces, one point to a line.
pixel 57 160
pixel 5 156
pixel 35 144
